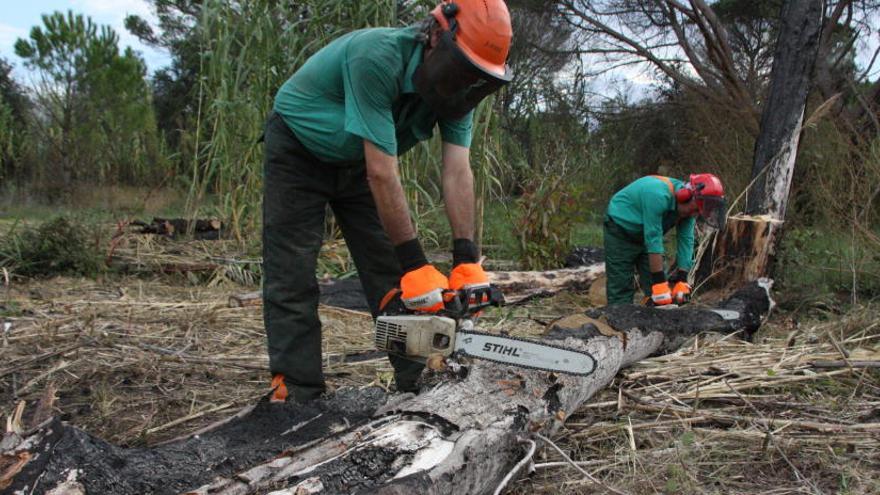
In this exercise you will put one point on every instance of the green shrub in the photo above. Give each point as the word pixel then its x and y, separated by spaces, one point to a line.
pixel 61 246
pixel 549 209
pixel 818 262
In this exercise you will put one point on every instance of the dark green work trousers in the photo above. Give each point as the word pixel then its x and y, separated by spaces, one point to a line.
pixel 297 187
pixel 624 254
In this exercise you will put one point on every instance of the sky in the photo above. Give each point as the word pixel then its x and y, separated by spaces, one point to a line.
pixel 17 17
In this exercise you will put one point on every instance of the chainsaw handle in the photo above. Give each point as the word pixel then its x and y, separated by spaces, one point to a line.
pixel 467 302
pixel 462 303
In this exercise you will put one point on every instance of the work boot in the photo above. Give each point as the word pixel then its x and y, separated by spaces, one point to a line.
pixel 279 389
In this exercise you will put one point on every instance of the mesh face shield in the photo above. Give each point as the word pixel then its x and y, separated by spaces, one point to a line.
pixel 450 83
pixel 713 210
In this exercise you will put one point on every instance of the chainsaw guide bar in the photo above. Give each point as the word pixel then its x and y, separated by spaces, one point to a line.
pixel 524 353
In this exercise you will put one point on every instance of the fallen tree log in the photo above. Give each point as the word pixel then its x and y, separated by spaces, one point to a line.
pixel 463 435
pixel 520 286
pixel 517 286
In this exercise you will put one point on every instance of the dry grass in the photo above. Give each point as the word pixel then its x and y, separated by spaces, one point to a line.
pixel 724 416
pixel 205 263
pixel 130 358
pixel 137 361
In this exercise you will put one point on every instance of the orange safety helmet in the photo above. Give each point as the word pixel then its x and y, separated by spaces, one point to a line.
pixel 482 31
pixel 468 61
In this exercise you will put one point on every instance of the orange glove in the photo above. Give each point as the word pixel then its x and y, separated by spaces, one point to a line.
pixel 681 292
pixel 660 294
pixel 468 276
pixel 422 289
pixel 471 277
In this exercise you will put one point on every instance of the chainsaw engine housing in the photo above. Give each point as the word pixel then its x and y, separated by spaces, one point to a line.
pixel 415 336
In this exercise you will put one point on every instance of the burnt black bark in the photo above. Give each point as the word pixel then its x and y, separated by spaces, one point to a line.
pixel 179 466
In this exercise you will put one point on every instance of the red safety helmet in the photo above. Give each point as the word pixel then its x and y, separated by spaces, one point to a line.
pixel 469 61
pixel 708 192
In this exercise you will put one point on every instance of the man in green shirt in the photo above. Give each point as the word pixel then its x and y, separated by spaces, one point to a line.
pixel 338 125
pixel 637 218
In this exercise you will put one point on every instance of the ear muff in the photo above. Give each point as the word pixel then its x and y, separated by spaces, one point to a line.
pixel 684 194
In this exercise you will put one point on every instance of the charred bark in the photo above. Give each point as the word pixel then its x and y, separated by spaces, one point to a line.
pixel 462 436
pixel 59 453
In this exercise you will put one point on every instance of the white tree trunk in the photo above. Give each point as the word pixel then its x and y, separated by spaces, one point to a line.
pixel 777 144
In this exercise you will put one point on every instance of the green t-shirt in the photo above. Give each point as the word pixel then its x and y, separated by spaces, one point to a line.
pixel 647 208
pixel 360 87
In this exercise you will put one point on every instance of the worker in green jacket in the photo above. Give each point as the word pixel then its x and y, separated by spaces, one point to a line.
pixel 637 218
pixel 337 128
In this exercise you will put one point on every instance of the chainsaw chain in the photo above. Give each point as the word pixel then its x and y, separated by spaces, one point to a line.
pixel 531 341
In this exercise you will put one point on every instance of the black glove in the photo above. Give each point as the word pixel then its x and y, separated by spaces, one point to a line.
pixel 678 276
pixel 464 251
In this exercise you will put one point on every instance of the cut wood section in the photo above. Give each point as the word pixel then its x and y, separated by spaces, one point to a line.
pixel 464 435
pixel 517 286
pixel 743 252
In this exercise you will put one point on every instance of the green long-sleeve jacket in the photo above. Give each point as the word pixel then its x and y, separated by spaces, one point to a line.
pixel 647 209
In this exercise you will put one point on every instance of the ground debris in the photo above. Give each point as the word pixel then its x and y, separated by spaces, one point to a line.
pixel 727 416
pixel 721 415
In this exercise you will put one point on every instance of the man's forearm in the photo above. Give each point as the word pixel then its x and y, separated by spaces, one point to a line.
pixel 384 181
pixel 458 190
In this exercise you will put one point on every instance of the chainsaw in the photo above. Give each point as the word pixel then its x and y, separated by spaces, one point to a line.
pixel 451 332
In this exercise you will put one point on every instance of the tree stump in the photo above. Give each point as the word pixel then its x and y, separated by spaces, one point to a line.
pixel 743 252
